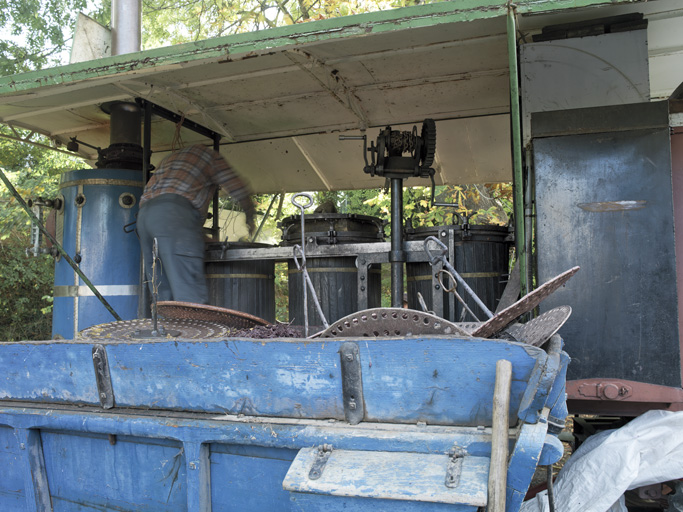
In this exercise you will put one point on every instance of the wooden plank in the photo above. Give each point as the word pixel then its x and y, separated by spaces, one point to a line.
pixel 390 475
pixel 407 380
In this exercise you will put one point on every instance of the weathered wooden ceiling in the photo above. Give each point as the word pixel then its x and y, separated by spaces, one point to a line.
pixel 280 98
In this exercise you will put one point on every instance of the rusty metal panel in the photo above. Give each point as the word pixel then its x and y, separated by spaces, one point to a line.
pixel 604 202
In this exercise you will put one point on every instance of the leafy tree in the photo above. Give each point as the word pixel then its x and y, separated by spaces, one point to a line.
pixel 36 32
pixel 167 22
pixel 26 281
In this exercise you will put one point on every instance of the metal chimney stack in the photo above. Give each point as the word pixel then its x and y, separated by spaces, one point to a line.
pixel 126 26
pixel 124 149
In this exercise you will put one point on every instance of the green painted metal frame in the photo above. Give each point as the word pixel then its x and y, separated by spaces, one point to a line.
pixel 240 45
pixel 516 131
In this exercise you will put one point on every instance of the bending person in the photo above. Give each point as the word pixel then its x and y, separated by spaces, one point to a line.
pixel 173 209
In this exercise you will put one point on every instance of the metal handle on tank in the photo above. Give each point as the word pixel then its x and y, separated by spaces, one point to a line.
pixel 299 250
pixel 441 257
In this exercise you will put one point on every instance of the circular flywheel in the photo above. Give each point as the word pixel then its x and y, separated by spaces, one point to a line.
pixel 428 143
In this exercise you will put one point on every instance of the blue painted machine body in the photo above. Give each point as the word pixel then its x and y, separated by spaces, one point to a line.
pixel 239 424
pixel 97 204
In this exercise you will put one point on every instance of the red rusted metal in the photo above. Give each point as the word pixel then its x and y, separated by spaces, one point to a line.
pixel 620 397
pixel 224 316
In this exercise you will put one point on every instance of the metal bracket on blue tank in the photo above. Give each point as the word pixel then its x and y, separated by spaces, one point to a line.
pixel 321 458
pixel 352 382
pixel 105 391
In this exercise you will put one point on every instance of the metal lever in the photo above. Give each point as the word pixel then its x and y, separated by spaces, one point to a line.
pixel 454 291
pixel 308 283
pixel 442 258
pixel 300 250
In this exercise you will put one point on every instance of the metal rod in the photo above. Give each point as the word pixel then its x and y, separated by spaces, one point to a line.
pixel 298 251
pixel 176 118
pixel 551 490
pixel 215 227
pixel 515 121
pixel 499 437
pixel 155 288
pixel 396 256
pixel 454 291
pixel 307 283
pixel 59 247
pixel 143 294
pixel 265 217
pixel 449 267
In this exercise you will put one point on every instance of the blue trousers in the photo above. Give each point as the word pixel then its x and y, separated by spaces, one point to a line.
pixel 177 226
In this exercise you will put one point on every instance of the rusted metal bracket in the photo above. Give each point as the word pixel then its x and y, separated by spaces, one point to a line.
pixel 324 452
pixel 352 382
pixel 105 391
pixel 456 456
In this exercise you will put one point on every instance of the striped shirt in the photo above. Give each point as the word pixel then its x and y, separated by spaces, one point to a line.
pixel 195 173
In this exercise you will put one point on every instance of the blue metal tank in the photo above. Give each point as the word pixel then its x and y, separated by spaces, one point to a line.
pixel 96 205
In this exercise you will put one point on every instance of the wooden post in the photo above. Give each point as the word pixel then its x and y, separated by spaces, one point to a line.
pixel 499 437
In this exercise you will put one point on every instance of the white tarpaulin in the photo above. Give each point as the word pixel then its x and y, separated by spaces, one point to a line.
pixel 646 451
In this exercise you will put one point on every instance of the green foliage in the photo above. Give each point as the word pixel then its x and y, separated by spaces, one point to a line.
pixel 166 22
pixel 35 32
pixel 34 172
pixel 25 293
pixel 26 282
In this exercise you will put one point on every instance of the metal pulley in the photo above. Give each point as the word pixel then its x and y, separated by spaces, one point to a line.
pixel 400 154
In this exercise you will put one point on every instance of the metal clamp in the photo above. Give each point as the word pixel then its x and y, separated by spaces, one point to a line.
pixel 105 391
pixel 352 382
pixel 324 452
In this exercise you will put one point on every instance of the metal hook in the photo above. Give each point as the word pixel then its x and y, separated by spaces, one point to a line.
pixel 299 251
pixel 454 291
pixel 454 273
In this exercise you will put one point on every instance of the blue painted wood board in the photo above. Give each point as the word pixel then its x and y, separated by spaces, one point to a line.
pixel 50 372
pixel 135 474
pixel 249 456
pixel 250 476
pixel 269 433
pixel 320 503
pixel 12 460
pixel 390 475
pixel 436 380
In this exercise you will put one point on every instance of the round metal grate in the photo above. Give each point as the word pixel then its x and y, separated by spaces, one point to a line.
pixel 228 317
pixel 390 322
pixel 168 329
pixel 500 320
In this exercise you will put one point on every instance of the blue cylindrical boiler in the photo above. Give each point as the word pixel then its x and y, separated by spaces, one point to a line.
pixel 94 225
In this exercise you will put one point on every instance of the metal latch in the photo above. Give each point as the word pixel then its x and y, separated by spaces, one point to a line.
pixel 324 452
pixel 456 456
pixel 352 382
pixel 105 391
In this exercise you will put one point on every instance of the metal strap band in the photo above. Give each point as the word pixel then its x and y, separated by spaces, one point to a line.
pixel 109 290
pixel 101 181
pixel 466 274
pixel 238 276
pixel 325 269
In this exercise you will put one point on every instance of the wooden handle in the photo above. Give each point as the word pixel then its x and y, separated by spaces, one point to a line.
pixel 499 437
